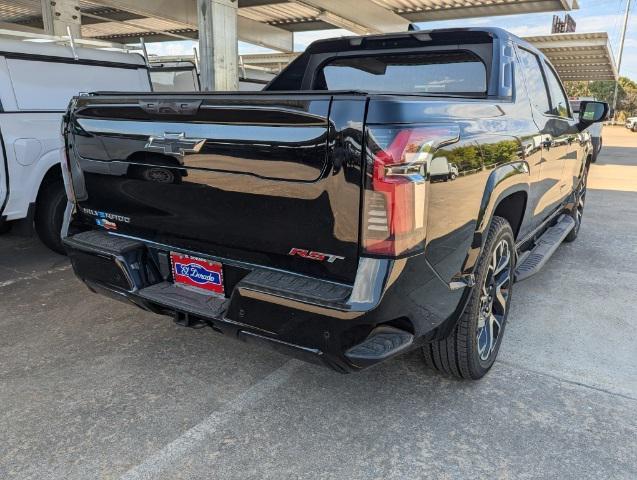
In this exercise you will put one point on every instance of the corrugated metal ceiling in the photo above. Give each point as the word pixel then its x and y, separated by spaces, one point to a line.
pixel 578 56
pixel 100 21
pixel 19 10
pixel 582 56
pixel 281 13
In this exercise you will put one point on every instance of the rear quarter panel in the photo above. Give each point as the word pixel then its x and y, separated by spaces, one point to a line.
pixel 491 163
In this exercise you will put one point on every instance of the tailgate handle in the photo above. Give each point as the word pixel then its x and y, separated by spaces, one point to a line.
pixel 170 107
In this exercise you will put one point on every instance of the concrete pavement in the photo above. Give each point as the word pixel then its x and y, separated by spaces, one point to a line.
pixel 91 388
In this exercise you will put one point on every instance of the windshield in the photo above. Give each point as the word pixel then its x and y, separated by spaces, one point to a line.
pixel 453 72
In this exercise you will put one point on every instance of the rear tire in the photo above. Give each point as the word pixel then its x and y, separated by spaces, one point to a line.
pixel 471 348
pixel 49 215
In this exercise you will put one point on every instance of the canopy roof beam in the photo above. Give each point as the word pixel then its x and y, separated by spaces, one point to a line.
pixel 60 16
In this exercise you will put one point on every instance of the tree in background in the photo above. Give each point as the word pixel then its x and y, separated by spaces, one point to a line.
pixel 603 90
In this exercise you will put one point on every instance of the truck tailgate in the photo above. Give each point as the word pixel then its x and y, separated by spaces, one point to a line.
pixel 260 178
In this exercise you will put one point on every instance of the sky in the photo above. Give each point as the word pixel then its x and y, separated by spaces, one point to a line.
pixel 592 16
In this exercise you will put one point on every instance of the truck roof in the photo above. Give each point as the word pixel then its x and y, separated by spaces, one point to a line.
pixel 32 47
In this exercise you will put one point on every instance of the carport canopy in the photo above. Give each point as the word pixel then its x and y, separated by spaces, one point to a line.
pixel 578 56
pixel 220 23
pixel 263 22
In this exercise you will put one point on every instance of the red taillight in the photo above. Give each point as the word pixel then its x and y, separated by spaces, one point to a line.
pixel 395 194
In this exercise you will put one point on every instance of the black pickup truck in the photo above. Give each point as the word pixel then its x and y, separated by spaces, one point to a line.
pixel 306 217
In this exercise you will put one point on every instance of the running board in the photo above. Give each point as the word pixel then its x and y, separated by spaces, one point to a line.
pixel 531 263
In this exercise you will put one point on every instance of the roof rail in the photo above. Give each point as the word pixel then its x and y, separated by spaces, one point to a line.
pixel 67 40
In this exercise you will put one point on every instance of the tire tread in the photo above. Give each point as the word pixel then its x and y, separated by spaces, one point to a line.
pixel 48 215
pixel 451 355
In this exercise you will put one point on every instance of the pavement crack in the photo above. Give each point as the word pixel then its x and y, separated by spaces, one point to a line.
pixel 565 380
pixel 34 276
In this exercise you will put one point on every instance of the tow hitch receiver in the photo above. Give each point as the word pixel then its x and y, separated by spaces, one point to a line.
pixel 186 320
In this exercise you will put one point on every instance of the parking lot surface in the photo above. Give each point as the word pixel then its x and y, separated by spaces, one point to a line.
pixel 91 388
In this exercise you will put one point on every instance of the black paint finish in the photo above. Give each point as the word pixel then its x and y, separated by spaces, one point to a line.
pixel 243 178
pixel 273 176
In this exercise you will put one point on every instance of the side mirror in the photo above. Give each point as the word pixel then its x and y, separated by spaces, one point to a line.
pixel 592 112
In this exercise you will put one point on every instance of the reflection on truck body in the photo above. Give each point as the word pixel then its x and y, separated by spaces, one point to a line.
pixel 440 169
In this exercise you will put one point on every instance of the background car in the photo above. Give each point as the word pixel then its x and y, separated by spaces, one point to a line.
pixel 31 109
pixel 595 129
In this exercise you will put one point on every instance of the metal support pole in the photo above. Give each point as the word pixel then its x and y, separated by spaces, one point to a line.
pixel 218 46
pixel 195 55
pixel 72 43
pixel 60 15
pixel 142 43
pixel 619 58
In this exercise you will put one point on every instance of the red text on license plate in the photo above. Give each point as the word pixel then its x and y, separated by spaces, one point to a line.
pixel 197 272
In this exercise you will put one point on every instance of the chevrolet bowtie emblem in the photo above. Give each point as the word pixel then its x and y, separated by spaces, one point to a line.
pixel 176 144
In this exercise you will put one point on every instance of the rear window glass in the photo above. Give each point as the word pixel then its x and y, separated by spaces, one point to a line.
pixel 457 72
pixel 166 80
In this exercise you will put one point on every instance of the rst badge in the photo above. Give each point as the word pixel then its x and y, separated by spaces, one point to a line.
pixel 197 272
pixel 318 256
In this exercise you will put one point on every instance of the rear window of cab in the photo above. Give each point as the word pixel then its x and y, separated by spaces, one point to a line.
pixel 453 72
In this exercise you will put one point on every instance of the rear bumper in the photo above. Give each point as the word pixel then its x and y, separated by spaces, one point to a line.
pixel 345 327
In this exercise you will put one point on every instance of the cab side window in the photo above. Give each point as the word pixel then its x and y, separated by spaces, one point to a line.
pixel 534 80
pixel 558 98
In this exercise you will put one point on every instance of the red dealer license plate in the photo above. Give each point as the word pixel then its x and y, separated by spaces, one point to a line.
pixel 197 272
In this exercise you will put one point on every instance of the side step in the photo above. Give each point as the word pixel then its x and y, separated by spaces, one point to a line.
pixel 296 287
pixel 101 242
pixel 382 343
pixel 545 247
pixel 99 258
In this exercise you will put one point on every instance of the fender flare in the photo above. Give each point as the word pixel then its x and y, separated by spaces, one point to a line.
pixel 502 182
pixel 46 163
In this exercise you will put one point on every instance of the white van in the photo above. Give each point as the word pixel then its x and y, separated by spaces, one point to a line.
pixel 38 77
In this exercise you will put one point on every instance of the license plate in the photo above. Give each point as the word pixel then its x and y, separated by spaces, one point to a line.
pixel 197 272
